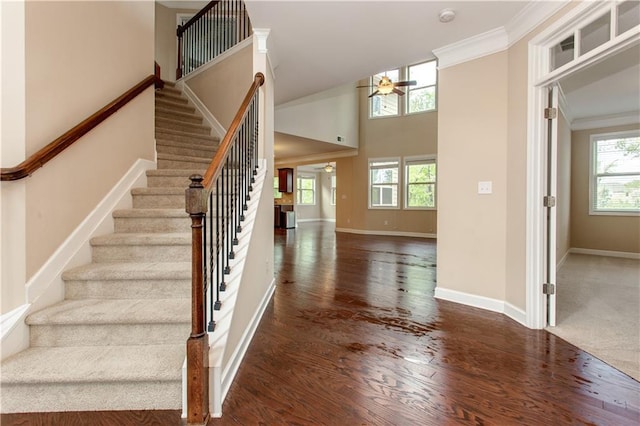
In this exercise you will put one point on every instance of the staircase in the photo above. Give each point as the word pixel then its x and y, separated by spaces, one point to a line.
pixel 117 341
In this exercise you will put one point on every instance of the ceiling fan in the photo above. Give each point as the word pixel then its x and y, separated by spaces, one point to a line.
pixel 386 86
pixel 329 167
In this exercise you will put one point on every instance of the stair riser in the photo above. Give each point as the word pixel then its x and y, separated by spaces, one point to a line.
pixel 127 289
pixel 190 152
pixel 185 127
pixel 53 397
pixel 175 106
pixel 168 181
pixel 108 334
pixel 153 224
pixel 171 90
pixel 159 201
pixel 179 116
pixel 171 97
pixel 176 164
pixel 142 253
pixel 211 142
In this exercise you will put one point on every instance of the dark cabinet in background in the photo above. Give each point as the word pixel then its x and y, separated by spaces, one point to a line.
pixel 285 180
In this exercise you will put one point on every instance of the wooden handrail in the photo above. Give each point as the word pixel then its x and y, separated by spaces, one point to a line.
pixel 47 153
pixel 214 169
pixel 182 28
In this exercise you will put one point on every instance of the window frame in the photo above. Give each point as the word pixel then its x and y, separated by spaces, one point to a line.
pixel 593 174
pixel 306 176
pixel 397 184
pixel 277 195
pixel 403 101
pixel 419 159
pixel 334 189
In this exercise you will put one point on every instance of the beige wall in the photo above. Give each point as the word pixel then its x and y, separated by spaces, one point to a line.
pixel 597 232
pixel 223 86
pixel 472 147
pixel 563 195
pixel 165 39
pixel 79 57
pixel 411 135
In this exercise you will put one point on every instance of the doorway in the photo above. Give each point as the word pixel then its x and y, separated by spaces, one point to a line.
pixel 586 36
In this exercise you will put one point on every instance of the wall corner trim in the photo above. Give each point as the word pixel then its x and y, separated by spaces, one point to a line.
pixel 486 303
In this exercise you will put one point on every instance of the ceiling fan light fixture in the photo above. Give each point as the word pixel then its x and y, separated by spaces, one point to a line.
pixel 446 15
pixel 328 168
pixel 385 86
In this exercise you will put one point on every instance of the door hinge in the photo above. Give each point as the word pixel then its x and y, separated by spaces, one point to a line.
pixel 549 201
pixel 548 289
pixel 550 113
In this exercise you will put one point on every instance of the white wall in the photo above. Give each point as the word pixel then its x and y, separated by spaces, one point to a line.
pixel 322 116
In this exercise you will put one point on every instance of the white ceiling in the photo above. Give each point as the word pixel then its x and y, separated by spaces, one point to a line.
pixel 608 88
pixel 317 45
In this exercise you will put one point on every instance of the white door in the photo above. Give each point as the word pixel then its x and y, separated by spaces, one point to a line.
pixel 549 287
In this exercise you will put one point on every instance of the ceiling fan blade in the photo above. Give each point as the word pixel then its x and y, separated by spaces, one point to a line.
pixel 358 87
pixel 398 91
pixel 405 83
pixel 375 93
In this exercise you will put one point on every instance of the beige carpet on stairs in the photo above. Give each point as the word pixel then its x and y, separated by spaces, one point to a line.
pixel 598 309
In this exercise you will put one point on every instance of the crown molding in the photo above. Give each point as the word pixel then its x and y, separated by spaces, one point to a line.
pixel 498 39
pixel 475 47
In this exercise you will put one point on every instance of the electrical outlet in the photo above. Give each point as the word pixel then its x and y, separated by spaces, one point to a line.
pixel 485 187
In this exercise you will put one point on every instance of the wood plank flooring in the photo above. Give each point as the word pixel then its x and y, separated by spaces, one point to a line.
pixel 353 336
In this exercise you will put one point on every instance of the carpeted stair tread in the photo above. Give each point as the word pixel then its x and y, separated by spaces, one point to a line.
pixel 149 239
pixel 130 271
pixel 151 213
pixel 174 97
pixel 169 123
pixel 174 106
pixel 95 364
pixel 158 191
pixel 187 145
pixel 204 161
pixel 169 113
pixel 114 311
pixel 172 172
pixel 192 137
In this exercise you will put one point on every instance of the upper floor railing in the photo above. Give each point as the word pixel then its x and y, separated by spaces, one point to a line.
pixel 219 26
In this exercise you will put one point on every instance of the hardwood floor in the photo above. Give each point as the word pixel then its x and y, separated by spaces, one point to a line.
pixel 353 336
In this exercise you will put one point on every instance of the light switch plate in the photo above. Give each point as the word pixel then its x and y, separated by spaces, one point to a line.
pixel 485 187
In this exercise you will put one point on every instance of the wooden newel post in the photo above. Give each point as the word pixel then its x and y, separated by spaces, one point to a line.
pixel 179 35
pixel 198 342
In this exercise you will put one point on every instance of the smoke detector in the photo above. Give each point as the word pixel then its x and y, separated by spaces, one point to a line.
pixel 446 15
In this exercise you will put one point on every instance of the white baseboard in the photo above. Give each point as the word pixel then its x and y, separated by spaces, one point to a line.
pixel 216 128
pixel 387 233
pixel 608 253
pixel 486 303
pixel 515 313
pixel 564 259
pixel 315 220
pixel 46 286
pixel 229 373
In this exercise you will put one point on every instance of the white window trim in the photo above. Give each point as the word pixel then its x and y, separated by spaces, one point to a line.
pixel 592 172
pixel 403 104
pixel 399 184
pixel 415 158
pixel 315 188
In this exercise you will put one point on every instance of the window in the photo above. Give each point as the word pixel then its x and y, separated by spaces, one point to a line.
pixel 306 190
pixel 420 183
pixel 418 98
pixel 615 173
pixel 383 183
pixel 385 105
pixel 276 191
pixel 333 190
pixel 422 96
